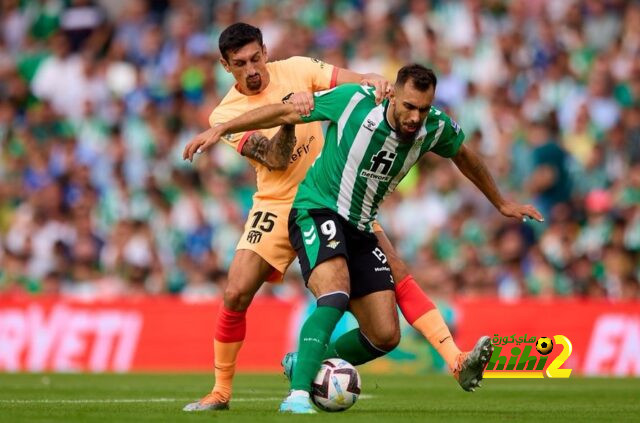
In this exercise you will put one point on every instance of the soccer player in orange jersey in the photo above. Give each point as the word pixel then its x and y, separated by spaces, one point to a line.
pixel 281 157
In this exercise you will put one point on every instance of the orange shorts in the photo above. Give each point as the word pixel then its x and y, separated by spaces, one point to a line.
pixel 266 233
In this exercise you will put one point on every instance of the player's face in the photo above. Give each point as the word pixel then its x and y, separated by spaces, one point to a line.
pixel 249 68
pixel 410 108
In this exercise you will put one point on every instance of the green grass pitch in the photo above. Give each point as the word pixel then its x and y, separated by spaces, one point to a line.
pixel 160 398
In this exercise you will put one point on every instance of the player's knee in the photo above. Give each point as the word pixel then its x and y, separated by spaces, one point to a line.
pixel 388 340
pixel 385 338
pixel 237 299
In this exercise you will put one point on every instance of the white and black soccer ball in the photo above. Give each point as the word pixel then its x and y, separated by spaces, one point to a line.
pixel 336 386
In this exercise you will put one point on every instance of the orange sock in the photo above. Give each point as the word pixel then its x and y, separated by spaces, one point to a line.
pixel 231 327
pixel 432 326
pixel 225 362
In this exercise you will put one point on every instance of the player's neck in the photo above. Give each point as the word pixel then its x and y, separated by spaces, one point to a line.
pixel 389 116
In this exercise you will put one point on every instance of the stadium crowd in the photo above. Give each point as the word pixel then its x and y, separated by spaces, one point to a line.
pixel 98 99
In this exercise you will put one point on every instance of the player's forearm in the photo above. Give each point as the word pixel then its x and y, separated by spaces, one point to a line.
pixel 263 117
pixel 472 166
pixel 282 145
pixel 345 76
pixel 372 76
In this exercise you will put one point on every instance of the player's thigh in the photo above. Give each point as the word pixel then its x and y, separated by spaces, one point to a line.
pixel 399 268
pixel 373 290
pixel 377 317
pixel 318 238
pixel 332 275
pixel 247 273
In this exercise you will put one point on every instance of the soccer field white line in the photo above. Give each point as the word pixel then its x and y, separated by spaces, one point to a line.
pixel 131 400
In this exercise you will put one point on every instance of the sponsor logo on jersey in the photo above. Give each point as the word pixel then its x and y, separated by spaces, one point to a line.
pixel 381 164
pixel 253 237
pixel 370 175
pixel 370 125
pixel 302 149
pixel 333 244
pixel 382 269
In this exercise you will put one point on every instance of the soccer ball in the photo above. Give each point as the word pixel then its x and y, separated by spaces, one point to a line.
pixel 544 345
pixel 336 386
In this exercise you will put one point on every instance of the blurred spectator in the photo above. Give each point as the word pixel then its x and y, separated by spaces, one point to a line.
pixel 97 100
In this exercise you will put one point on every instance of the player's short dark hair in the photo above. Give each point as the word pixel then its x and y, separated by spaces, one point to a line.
pixel 236 36
pixel 421 77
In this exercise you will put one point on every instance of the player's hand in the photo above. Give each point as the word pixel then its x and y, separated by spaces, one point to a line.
pixel 302 103
pixel 521 211
pixel 381 85
pixel 202 142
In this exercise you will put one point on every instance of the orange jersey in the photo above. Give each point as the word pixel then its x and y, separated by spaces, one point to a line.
pixel 285 76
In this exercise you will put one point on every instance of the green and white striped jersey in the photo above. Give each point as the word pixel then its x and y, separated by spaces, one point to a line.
pixel 362 160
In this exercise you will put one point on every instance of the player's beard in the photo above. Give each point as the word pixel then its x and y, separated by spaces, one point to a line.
pixel 254 82
pixel 405 137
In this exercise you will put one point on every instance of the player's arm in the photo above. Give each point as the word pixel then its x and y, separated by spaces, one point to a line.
pixel 261 118
pixel 474 168
pixel 379 82
pixel 274 153
pixel 304 102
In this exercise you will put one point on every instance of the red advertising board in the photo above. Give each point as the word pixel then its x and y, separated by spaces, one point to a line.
pixel 141 335
pixel 168 334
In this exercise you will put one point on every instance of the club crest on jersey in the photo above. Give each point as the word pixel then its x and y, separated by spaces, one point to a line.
pixel 333 244
pixel 318 61
pixel 253 237
pixel 381 164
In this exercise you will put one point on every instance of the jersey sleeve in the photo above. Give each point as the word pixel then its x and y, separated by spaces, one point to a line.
pixel 451 139
pixel 329 104
pixel 320 75
pixel 236 140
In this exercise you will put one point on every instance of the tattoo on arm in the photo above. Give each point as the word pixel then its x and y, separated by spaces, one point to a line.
pixel 256 147
pixel 274 153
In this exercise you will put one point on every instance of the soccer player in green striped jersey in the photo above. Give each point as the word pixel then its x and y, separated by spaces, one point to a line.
pixel 369 148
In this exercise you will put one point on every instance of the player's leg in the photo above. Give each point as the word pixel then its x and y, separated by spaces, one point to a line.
pixel 418 309
pixel 378 332
pixel 263 254
pixel 325 270
pixel 373 303
pixel 246 274
pixel 329 282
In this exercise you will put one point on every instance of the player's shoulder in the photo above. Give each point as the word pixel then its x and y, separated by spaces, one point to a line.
pixel 298 62
pixel 230 106
pixel 436 114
